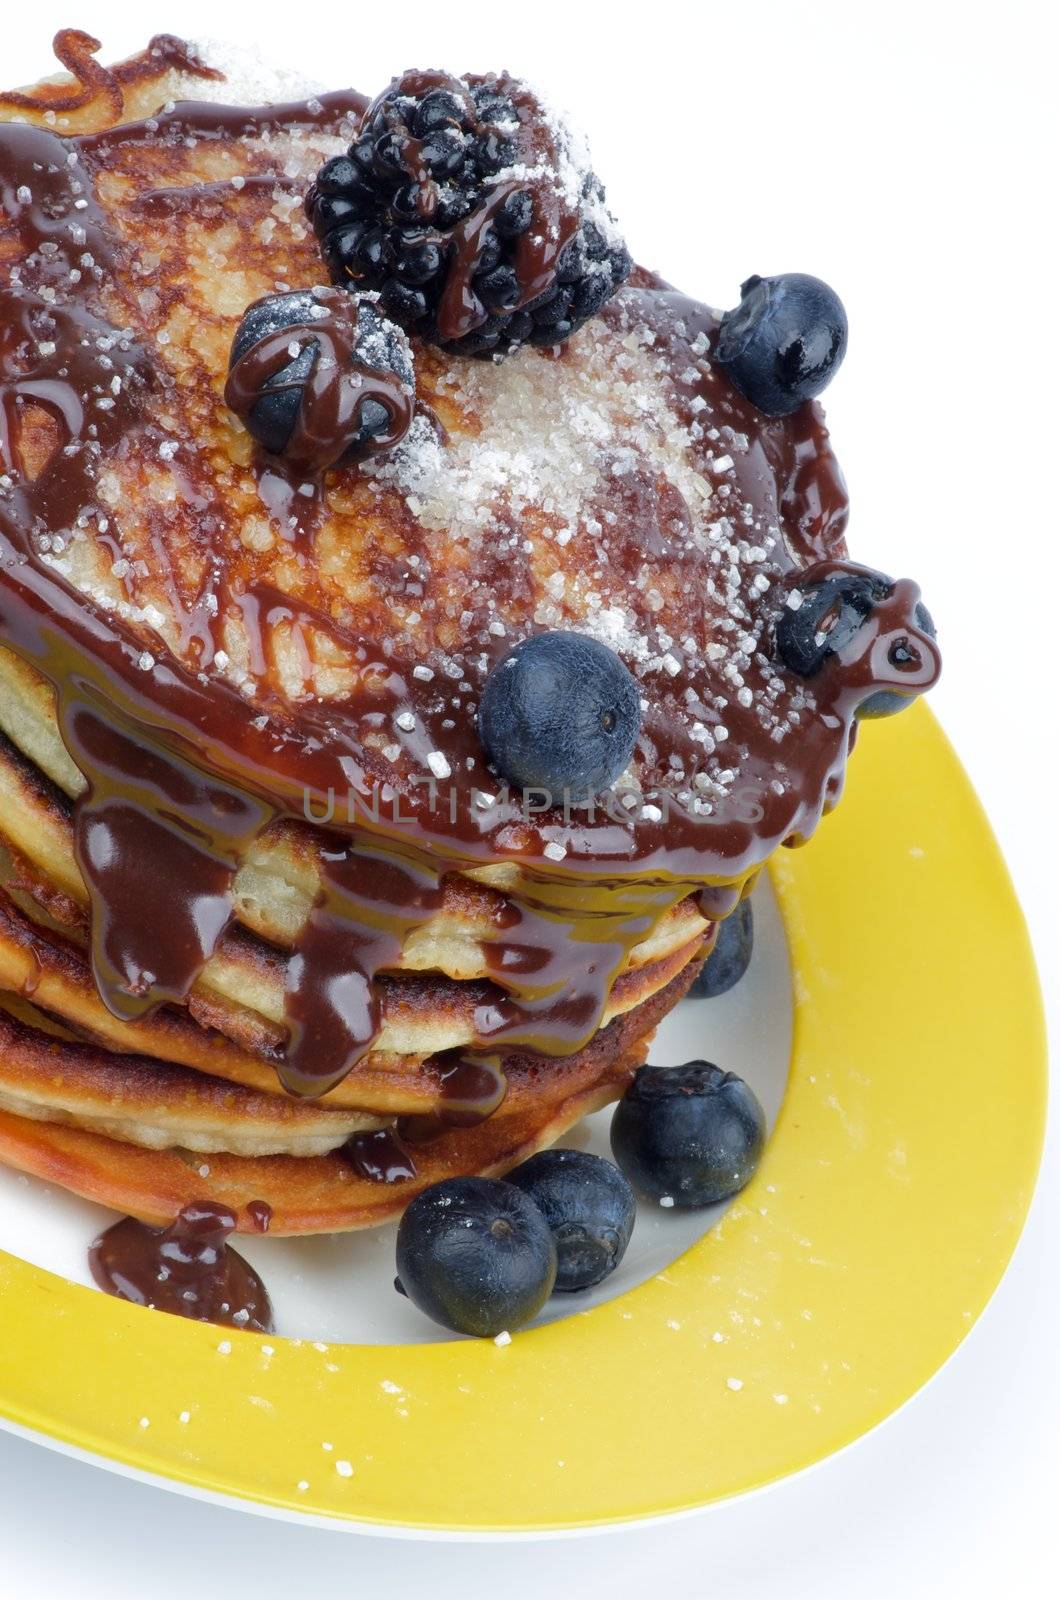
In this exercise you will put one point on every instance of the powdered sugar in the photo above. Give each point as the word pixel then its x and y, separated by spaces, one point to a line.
pixel 248 78
pixel 552 451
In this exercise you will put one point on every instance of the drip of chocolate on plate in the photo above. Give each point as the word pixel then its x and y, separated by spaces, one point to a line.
pixel 187 1268
pixel 181 772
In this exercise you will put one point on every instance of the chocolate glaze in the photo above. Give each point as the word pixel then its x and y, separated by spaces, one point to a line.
pixel 381 1157
pixel 371 900
pixel 338 384
pixel 182 774
pixel 260 1214
pixel 470 1089
pixel 186 1269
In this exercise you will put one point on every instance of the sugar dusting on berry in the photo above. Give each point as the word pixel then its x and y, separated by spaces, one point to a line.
pixel 569 169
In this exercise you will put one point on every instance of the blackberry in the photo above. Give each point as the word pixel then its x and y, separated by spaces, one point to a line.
pixel 472 213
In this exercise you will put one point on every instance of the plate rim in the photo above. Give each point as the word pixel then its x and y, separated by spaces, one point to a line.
pixel 281 1402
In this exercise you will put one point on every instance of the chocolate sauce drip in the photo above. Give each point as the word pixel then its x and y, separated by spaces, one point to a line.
pixel 556 960
pixel 186 1269
pixel 183 772
pixel 716 901
pixel 145 806
pixel 260 1214
pixel 370 901
pixel 890 650
pixel 381 1156
pixel 470 1088
pixel 334 391
pixel 210 119
pixel 75 51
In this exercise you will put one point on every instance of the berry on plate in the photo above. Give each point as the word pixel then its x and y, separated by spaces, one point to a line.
pixel 692 1135
pixel 589 1207
pixel 730 957
pixel 476 1255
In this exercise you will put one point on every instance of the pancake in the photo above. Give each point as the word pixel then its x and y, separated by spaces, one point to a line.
pixel 325 1194
pixel 429 1016
pixel 157 1105
pixel 250 839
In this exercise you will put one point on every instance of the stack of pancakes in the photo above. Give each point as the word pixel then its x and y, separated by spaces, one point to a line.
pixel 184 1103
pixel 148 1115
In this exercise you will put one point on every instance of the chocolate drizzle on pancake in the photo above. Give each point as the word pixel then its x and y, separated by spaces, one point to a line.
pixel 186 1269
pixel 183 770
pixel 470 1089
pixel 381 1156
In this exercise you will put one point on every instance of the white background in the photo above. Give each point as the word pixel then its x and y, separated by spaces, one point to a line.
pixel 907 154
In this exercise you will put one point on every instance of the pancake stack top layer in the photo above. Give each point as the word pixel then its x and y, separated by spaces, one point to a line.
pixel 231 642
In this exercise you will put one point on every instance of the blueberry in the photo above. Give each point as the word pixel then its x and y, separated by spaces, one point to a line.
pixel 827 617
pixel 730 957
pixel 693 1134
pixel 886 702
pixel 561 713
pixel 272 418
pixel 589 1207
pixel 784 342
pixel 476 1255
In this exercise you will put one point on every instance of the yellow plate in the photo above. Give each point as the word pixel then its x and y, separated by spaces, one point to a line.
pixel 889 1201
